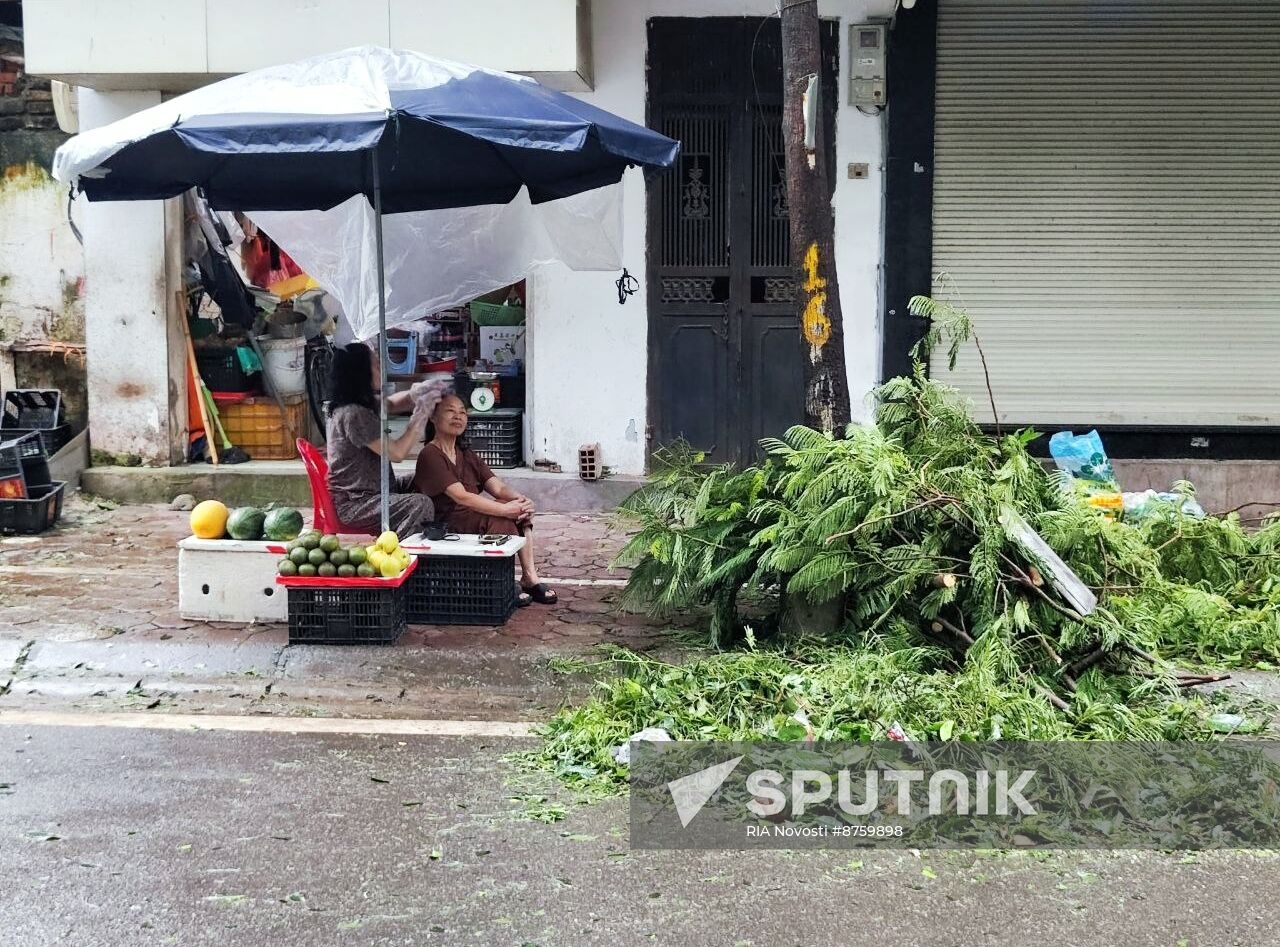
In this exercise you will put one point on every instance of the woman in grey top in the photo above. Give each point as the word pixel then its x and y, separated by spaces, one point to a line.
pixel 355 443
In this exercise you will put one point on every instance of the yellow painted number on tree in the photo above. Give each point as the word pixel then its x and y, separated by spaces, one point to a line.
pixel 814 321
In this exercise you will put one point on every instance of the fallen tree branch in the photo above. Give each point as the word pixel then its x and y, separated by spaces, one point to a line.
pixel 1053 698
pixel 880 519
pixel 1089 660
pixel 1245 506
pixel 1048 649
pixel 1145 655
pixel 1061 609
pixel 1028 583
pixel 954 629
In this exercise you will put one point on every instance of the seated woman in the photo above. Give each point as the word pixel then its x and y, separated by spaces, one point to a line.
pixel 355 445
pixel 456 479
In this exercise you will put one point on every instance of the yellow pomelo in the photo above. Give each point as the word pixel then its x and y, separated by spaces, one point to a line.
pixel 209 520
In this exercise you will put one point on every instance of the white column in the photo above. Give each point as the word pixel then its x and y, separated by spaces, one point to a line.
pixel 136 353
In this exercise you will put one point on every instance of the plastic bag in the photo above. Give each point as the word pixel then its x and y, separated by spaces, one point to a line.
pixel 1084 460
pixel 427 393
pixel 439 259
pixel 1084 457
pixel 1149 503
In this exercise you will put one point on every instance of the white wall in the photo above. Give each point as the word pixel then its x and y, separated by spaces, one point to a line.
pixel 180 44
pixel 41 264
pixel 136 378
pixel 587 355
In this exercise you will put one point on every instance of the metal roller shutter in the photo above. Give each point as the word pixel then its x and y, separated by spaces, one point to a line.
pixel 1107 201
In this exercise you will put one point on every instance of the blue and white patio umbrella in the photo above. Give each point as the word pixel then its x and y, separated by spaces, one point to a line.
pixel 369 131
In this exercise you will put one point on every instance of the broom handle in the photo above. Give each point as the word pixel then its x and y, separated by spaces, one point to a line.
pixel 217 419
pixel 200 389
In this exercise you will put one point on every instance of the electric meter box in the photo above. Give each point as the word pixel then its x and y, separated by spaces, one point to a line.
pixel 867 64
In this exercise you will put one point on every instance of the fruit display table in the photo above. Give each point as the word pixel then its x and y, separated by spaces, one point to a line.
pixel 230 580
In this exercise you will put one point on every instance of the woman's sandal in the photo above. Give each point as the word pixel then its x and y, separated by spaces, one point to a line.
pixel 523 599
pixel 540 593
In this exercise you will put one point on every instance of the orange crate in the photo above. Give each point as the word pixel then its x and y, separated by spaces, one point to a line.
pixel 256 427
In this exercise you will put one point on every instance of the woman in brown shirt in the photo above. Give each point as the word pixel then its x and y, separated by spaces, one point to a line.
pixel 456 480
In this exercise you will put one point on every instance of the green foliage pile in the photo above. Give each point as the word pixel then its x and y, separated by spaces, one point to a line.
pixel 874 519
pixel 854 693
pixel 941 623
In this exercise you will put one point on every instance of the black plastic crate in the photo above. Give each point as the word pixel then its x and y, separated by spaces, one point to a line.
pixel 221 371
pixel 34 514
pixel 29 450
pixel 333 615
pixel 35 470
pixel 12 472
pixel 53 438
pixel 27 444
pixel 462 590
pixel 32 409
pixel 497 437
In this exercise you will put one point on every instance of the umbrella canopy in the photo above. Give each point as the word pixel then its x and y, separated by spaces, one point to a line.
pixel 412 133
pixel 298 136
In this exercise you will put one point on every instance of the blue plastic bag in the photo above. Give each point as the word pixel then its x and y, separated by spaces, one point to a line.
pixel 1083 456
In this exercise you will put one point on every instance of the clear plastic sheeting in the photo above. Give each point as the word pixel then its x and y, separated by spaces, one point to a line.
pixel 438 259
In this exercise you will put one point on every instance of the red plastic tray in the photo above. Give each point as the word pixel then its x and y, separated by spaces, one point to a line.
pixel 232 397
pixel 303 582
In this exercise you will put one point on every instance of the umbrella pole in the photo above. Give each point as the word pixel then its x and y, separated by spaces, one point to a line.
pixel 382 343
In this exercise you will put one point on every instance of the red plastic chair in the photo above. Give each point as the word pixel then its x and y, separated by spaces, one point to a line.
pixel 323 515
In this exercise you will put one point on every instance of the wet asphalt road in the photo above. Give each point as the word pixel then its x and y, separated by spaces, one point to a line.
pixel 122 837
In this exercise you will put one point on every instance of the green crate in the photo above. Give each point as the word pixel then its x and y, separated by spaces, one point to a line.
pixel 487 314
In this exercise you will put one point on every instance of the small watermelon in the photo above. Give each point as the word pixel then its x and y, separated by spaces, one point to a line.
pixel 282 525
pixel 245 523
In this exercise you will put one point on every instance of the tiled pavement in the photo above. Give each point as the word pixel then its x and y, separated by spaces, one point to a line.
pixel 88 617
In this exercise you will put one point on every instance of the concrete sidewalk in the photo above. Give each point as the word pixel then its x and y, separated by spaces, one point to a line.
pixel 89 619
pixel 285 481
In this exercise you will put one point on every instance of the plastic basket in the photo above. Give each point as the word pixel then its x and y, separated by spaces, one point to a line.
pixel 257 427
pixel 487 314
pixel 497 437
pixel 221 371
pixel 462 590
pixel 13 481
pixel 402 356
pixel 511 391
pixel 32 409
pixel 25 445
pixel 347 611
pixel 29 450
pixel 34 514
pixel 53 438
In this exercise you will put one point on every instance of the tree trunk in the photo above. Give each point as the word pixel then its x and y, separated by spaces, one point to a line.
pixel 826 384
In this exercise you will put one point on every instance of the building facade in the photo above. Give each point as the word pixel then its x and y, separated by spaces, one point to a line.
pixel 41 262
pixel 1099 184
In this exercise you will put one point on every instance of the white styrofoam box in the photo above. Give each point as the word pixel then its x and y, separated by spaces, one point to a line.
pixel 230 580
pixel 467 544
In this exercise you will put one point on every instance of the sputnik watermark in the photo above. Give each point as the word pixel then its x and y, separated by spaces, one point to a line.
pixel 690 793
pixel 989 795
pixel 811 787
